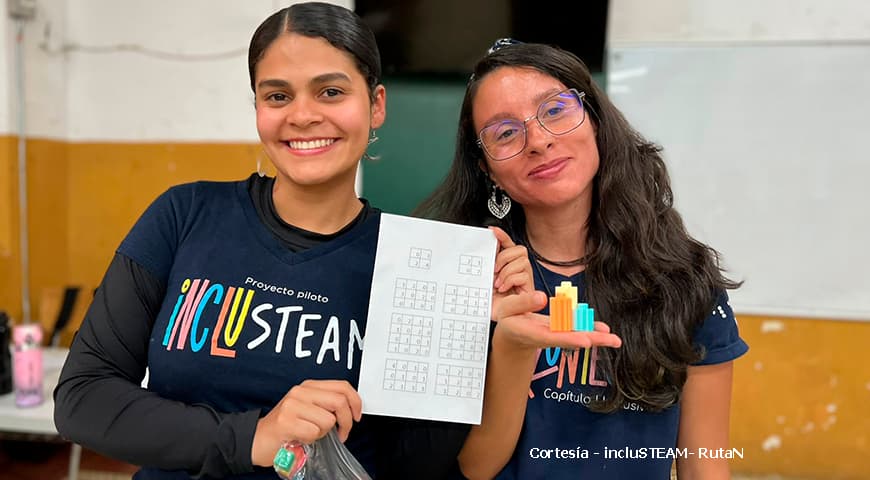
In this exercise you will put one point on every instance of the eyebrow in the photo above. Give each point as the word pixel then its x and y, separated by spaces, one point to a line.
pixel 546 94
pixel 538 99
pixel 319 79
pixel 272 82
pixel 330 77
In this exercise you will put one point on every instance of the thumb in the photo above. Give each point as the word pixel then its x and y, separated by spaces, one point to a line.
pixel 520 303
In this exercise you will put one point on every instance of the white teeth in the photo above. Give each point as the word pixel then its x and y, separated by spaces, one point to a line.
pixel 309 144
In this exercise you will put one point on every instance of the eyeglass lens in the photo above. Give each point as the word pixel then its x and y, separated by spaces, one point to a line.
pixel 558 115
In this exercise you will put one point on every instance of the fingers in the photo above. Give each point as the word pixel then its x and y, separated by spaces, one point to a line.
pixel 344 388
pixel 306 413
pixel 336 407
pixel 307 432
pixel 601 327
pixel 583 340
pixel 533 330
pixel 513 269
pixel 312 422
pixel 519 281
pixel 322 404
pixel 520 303
pixel 602 339
pixel 339 398
pixel 504 240
pixel 575 340
pixel 511 255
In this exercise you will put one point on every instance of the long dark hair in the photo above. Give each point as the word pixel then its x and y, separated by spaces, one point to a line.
pixel 646 276
pixel 339 26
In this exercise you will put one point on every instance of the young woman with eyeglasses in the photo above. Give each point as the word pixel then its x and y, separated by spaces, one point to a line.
pixel 545 155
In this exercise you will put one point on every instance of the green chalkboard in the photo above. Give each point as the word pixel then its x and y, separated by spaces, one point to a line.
pixel 416 143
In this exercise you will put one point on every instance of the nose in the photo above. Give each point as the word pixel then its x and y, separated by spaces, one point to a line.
pixel 303 112
pixel 538 139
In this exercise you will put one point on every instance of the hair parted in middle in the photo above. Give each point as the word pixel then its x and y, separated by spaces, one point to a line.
pixel 341 27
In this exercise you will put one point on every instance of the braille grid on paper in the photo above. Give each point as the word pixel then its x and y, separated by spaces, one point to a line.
pixel 414 294
pixel 455 381
pixel 462 300
pixel 420 258
pixel 463 340
pixel 405 376
pixel 410 334
pixel 470 265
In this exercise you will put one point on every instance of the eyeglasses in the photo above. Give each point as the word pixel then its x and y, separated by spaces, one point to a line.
pixel 559 114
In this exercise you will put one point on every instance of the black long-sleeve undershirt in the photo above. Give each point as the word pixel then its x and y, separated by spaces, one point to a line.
pixel 99 402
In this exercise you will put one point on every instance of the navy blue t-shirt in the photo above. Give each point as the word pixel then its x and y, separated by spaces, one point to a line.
pixel 244 318
pixel 562 439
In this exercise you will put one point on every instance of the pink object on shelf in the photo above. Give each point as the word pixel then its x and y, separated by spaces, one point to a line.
pixel 27 364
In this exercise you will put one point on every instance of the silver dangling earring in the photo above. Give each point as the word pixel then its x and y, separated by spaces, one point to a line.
pixel 498 209
pixel 260 165
pixel 373 137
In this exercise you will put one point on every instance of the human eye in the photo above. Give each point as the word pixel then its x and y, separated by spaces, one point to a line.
pixel 505 132
pixel 277 98
pixel 331 92
pixel 554 109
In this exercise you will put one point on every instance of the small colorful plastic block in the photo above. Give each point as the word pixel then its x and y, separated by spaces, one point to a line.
pixel 568 290
pixel 560 313
pixel 566 314
pixel 290 460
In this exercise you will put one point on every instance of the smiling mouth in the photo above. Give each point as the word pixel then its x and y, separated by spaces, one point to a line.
pixel 309 144
pixel 547 167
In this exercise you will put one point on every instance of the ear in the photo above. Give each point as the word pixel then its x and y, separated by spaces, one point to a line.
pixel 484 167
pixel 481 164
pixel 379 107
pixel 489 175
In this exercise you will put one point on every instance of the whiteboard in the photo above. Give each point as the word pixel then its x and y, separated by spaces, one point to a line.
pixel 768 148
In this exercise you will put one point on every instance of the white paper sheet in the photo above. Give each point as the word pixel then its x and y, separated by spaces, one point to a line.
pixel 426 338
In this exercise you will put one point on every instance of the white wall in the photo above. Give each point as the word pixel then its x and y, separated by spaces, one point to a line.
pixel 46 82
pixel 761 110
pixel 7 39
pixel 126 70
pixel 644 21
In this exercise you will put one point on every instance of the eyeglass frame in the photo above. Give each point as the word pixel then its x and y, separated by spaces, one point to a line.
pixel 580 96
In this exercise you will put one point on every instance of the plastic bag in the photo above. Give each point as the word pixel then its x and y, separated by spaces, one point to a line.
pixel 326 459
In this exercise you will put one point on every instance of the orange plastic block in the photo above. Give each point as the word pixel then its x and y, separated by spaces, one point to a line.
pixel 561 314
